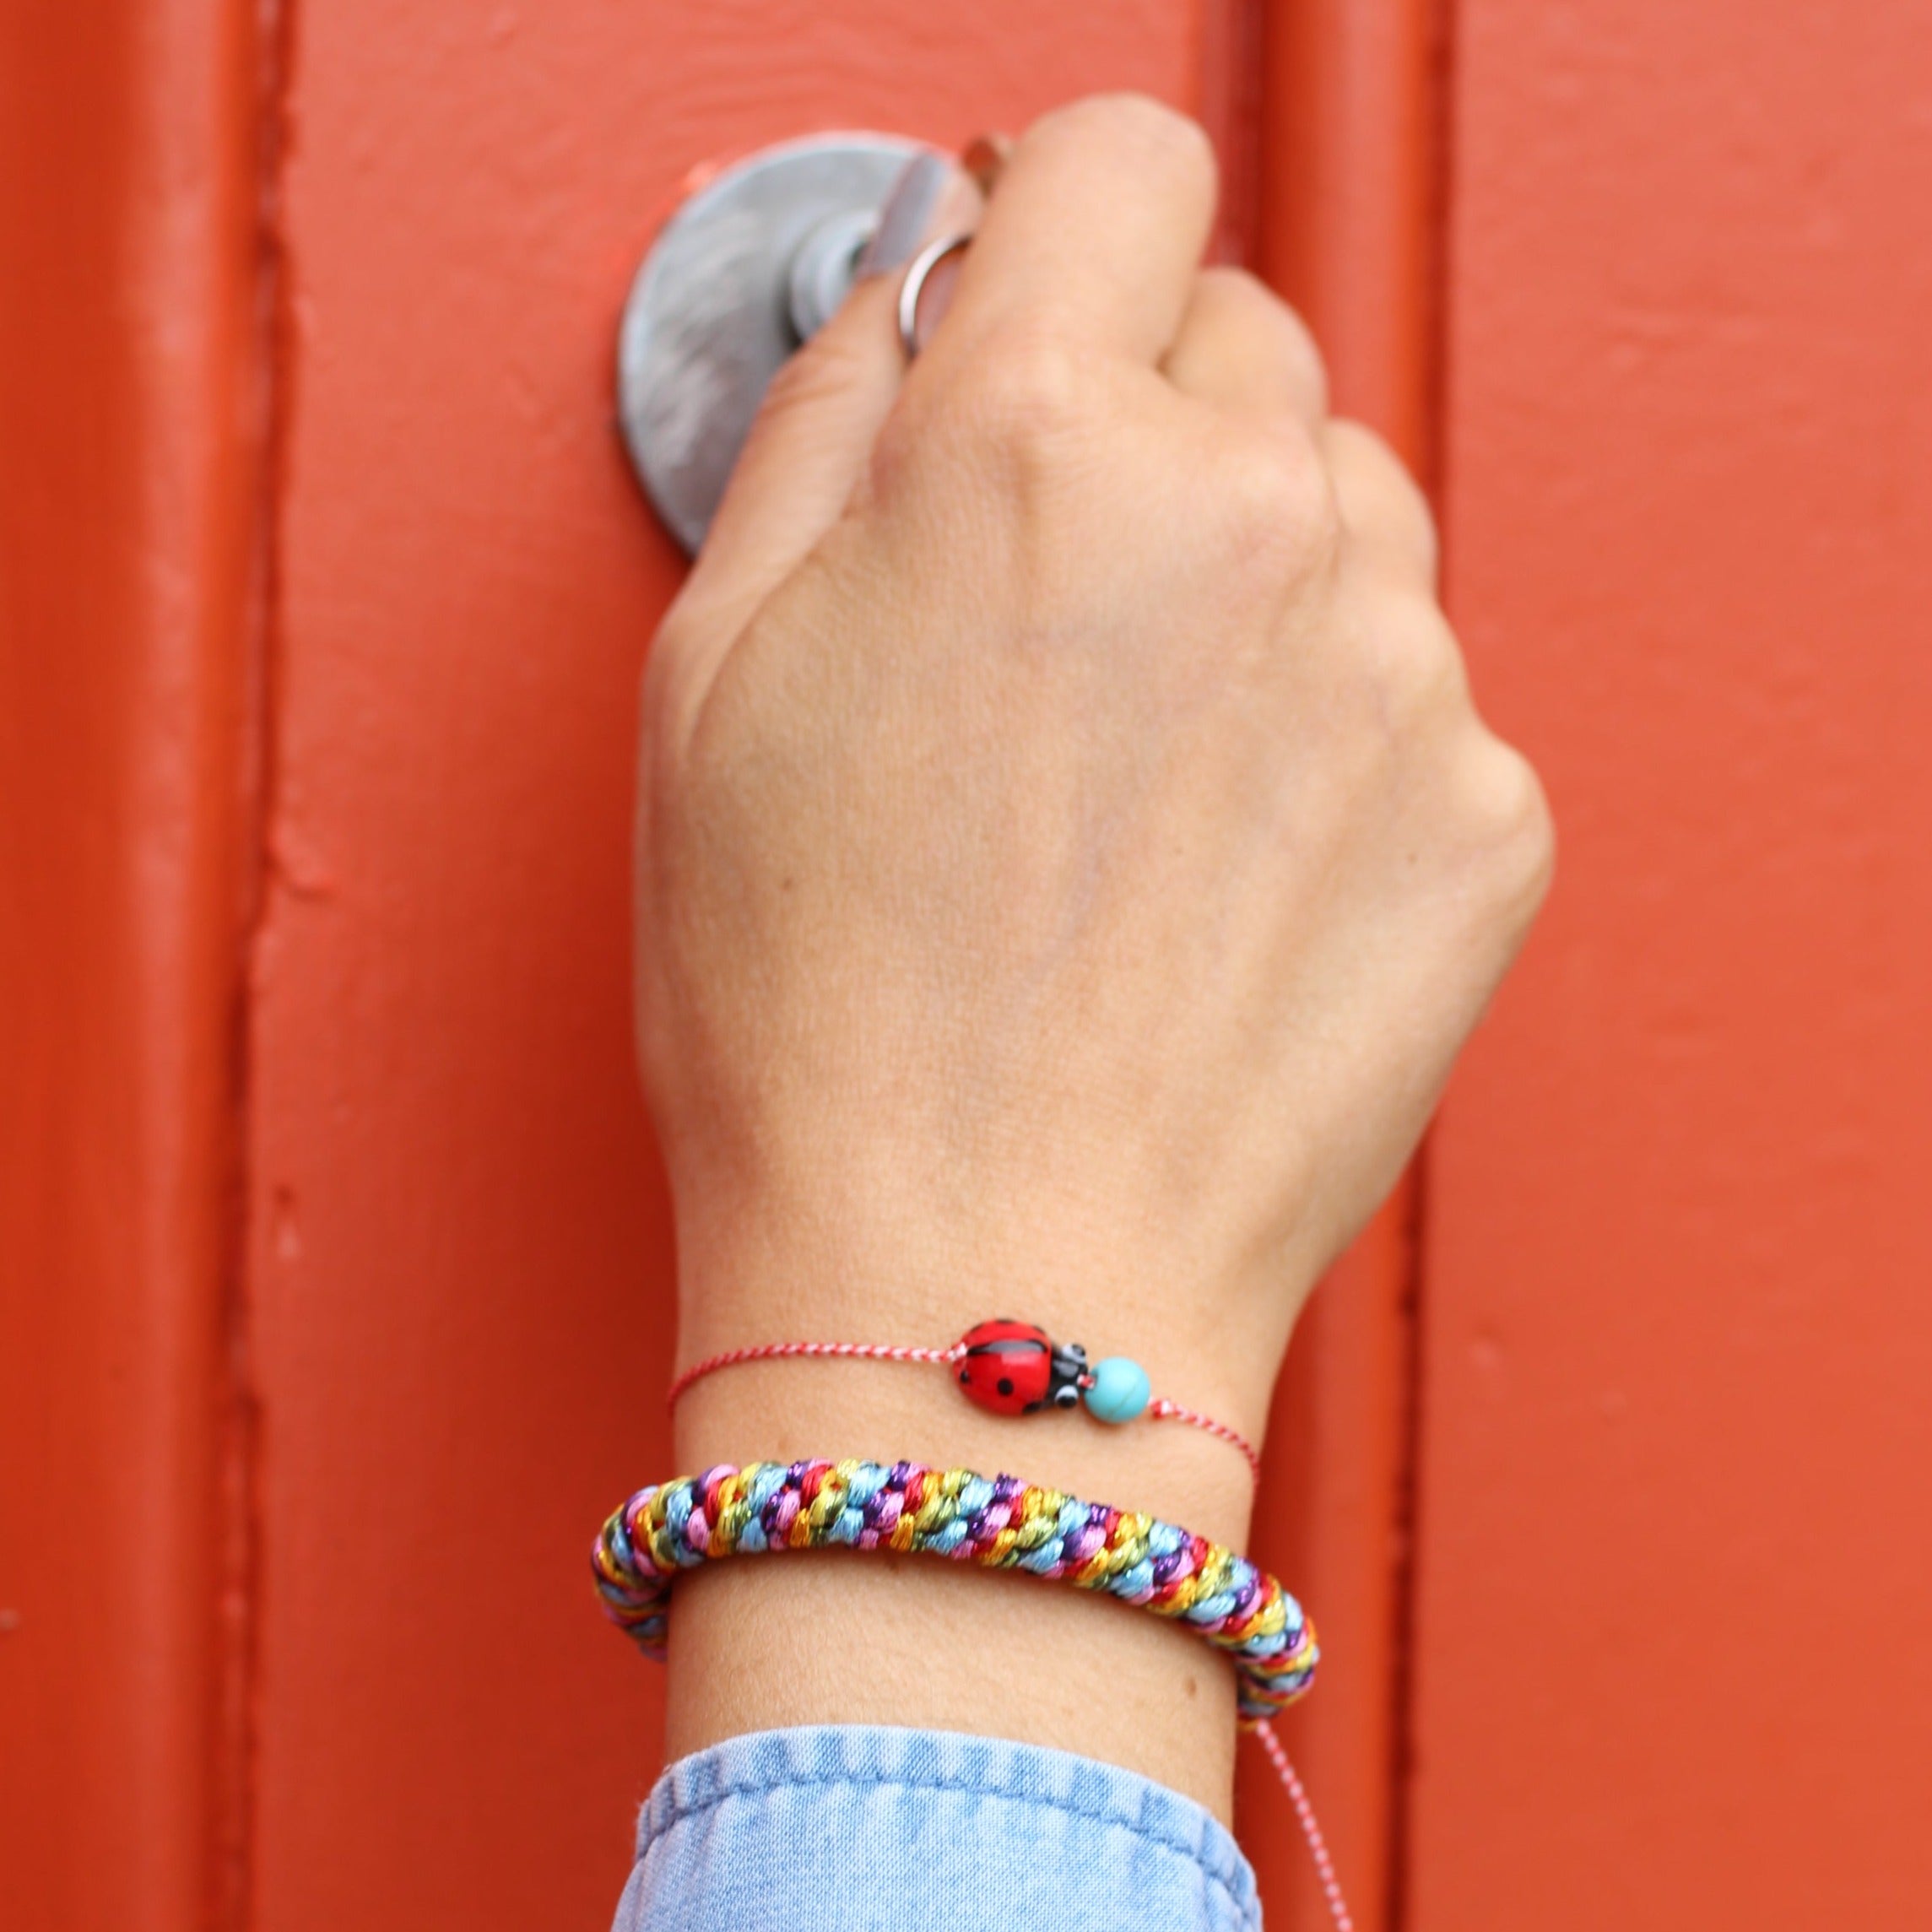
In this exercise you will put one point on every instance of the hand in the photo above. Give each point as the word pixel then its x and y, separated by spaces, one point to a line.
pixel 1069 859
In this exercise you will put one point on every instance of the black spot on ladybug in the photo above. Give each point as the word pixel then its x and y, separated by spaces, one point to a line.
pixel 1005 1385
pixel 964 1377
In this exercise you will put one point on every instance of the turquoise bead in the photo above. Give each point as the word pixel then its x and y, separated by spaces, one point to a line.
pixel 1121 1390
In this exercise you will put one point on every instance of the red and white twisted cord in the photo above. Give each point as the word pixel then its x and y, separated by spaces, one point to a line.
pixel 769 1351
pixel 1161 1409
pixel 1318 1845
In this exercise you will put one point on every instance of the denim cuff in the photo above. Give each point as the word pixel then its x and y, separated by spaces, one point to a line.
pixel 836 1827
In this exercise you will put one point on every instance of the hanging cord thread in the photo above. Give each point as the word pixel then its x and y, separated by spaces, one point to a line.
pixel 1311 1831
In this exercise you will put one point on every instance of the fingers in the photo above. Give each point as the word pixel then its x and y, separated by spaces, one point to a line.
pixel 1103 212
pixel 1241 347
pixel 1387 518
pixel 813 434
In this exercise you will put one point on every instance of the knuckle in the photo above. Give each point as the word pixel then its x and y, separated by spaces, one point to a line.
pixel 1414 661
pixel 1381 501
pixel 1308 368
pixel 1488 798
pixel 1514 822
pixel 1292 339
pixel 1279 510
pixel 1027 397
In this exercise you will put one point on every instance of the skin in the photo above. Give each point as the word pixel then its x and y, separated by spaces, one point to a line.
pixel 1070 861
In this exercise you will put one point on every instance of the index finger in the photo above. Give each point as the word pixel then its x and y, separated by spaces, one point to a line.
pixel 1095 234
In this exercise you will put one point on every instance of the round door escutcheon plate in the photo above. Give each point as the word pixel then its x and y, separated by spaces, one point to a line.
pixel 711 316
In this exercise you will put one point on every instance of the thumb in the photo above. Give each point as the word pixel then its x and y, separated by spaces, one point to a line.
pixel 813 434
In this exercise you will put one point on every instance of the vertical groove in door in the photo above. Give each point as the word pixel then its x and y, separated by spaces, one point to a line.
pixel 1344 215
pixel 234 1904
pixel 1406 1502
pixel 1228 94
pixel 1438 150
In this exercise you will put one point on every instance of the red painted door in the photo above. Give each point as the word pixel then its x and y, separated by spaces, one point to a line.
pixel 1672 1577
pixel 333 1256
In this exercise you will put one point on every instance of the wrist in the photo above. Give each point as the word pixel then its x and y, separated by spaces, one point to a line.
pixel 826 1638
pixel 840 1636
pixel 789 1409
pixel 887 1271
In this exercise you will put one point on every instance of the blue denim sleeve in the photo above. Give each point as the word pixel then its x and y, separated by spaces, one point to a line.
pixel 866 1828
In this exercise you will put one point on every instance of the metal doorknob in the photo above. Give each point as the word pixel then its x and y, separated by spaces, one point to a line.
pixel 750 266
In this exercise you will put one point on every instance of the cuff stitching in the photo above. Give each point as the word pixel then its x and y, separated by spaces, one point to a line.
pixel 664 1814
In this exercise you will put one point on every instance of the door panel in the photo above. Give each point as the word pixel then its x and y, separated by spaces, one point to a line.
pixel 1345 201
pixel 459 1262
pixel 1671 1665
pixel 131 427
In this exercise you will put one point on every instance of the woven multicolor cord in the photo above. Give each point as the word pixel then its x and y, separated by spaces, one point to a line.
pixel 996 1522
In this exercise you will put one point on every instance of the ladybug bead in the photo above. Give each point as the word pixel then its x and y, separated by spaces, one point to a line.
pixel 1013 1369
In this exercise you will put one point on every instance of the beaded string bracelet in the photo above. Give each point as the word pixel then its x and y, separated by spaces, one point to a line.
pixel 995 1522
pixel 1011 1368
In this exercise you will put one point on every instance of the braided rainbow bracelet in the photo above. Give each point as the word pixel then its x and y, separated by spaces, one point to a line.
pixel 996 1522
